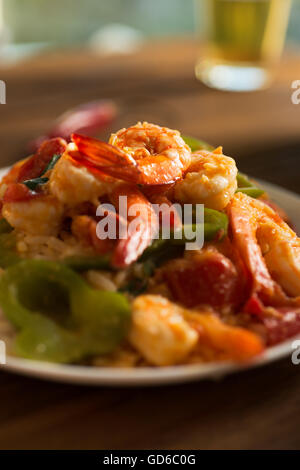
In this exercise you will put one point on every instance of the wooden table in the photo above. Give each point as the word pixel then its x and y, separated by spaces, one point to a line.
pixel 254 409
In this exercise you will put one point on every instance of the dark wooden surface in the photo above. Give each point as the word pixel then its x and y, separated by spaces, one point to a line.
pixel 256 409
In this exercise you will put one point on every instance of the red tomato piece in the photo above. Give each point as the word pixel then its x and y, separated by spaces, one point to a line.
pixel 281 327
pixel 208 278
pixel 17 192
pixel 35 165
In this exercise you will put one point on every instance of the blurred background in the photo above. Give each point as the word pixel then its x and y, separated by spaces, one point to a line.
pixel 141 55
pixel 69 22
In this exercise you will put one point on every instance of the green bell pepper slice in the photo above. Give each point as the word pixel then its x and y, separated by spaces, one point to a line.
pixel 215 223
pixel 161 250
pixel 246 186
pixel 196 144
pixel 83 263
pixel 59 317
pixel 252 192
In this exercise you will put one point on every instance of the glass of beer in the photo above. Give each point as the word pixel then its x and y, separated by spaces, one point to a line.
pixel 243 41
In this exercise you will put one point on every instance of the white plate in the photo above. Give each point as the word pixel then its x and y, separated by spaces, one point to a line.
pixel 159 376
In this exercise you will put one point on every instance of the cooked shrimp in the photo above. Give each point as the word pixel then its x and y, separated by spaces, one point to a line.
pixel 143 154
pixel 281 250
pixel 84 228
pixel 33 212
pixel 33 166
pixel 127 248
pixel 72 184
pixel 159 331
pixel 142 224
pixel 269 247
pixel 38 216
pixel 168 214
pixel 210 179
pixel 230 342
pixel 165 333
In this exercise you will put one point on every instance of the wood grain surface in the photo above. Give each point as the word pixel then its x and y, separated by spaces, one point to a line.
pixel 256 409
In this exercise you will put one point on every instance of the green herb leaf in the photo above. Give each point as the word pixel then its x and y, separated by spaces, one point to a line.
pixel 246 186
pixel 52 163
pixel 32 184
pixel 135 287
pixel 35 182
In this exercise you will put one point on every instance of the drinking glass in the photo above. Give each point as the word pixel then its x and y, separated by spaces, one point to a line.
pixel 243 41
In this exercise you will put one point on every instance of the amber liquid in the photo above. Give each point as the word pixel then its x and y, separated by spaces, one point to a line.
pixel 246 30
pixel 241 33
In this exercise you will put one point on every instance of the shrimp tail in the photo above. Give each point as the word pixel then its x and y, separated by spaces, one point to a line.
pixel 113 161
pixel 101 152
pixel 105 159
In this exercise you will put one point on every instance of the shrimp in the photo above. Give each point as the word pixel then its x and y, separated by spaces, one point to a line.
pixel 231 342
pixel 84 228
pixel 269 247
pixel 136 238
pixel 210 179
pixel 166 334
pixel 144 154
pixel 168 214
pixel 33 212
pixel 40 215
pixel 159 331
pixel 72 184
pixel 141 214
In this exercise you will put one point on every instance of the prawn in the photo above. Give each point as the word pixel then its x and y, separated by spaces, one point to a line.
pixel 144 154
pixel 229 342
pixel 40 215
pixel 84 228
pixel 166 334
pixel 160 332
pixel 33 212
pixel 210 179
pixel 269 247
pixel 137 237
pixel 145 222
pixel 72 184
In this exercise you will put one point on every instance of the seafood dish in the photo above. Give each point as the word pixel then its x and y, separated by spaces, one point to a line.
pixel 148 250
